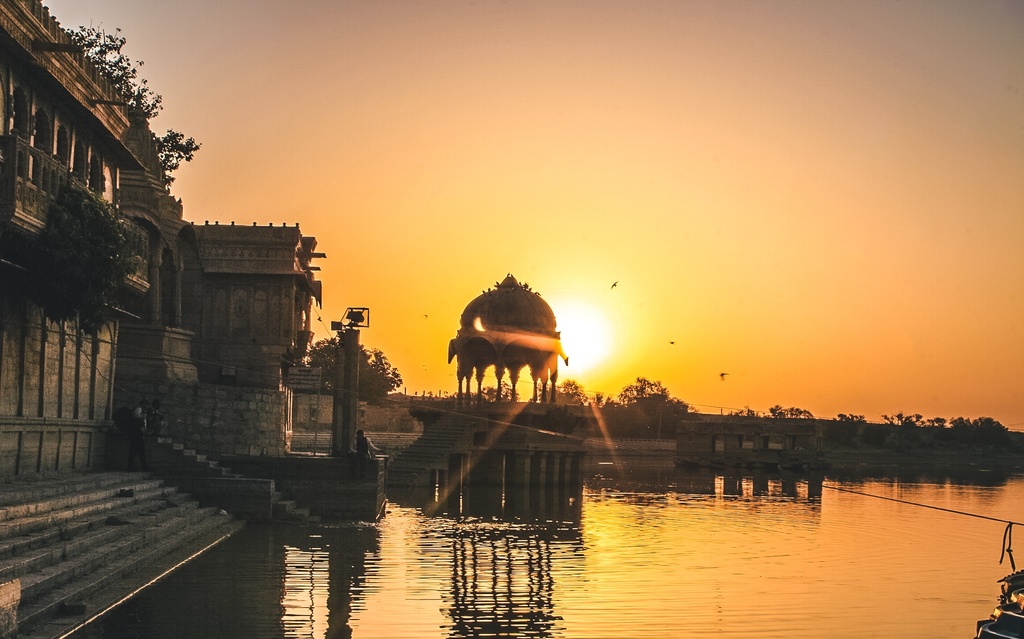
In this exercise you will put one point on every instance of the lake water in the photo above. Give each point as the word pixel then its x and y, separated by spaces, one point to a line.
pixel 645 551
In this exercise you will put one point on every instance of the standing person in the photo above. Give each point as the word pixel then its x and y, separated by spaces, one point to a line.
pixel 137 435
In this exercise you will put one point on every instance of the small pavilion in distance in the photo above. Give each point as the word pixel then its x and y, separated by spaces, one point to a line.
pixel 510 328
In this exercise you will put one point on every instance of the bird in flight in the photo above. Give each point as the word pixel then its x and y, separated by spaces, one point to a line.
pixel 722 375
pixel 615 283
pixel 424 316
pixel 671 342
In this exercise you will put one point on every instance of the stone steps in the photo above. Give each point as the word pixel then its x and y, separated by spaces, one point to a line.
pixel 77 545
pixel 175 460
pixel 412 465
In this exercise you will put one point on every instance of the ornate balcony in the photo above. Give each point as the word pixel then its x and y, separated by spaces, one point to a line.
pixel 29 180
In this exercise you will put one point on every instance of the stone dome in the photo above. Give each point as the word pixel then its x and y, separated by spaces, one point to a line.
pixel 508 328
pixel 510 305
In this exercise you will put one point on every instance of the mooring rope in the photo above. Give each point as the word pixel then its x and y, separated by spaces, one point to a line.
pixel 1007 550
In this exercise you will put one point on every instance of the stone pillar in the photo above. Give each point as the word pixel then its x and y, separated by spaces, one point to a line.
pixel 156 260
pixel 176 320
pixel 345 419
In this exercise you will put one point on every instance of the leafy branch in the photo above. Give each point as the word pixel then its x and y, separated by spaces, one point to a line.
pixel 104 50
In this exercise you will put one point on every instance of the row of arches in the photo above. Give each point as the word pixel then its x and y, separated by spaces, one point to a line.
pixel 55 141
pixel 477 355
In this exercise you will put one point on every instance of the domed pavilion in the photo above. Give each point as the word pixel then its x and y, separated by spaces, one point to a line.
pixel 510 328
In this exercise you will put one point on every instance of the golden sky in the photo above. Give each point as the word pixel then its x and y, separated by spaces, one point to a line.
pixel 823 199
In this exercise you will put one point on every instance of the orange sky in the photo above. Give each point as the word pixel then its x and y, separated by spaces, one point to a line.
pixel 824 199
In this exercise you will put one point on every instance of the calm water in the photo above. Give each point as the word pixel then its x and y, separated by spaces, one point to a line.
pixel 646 551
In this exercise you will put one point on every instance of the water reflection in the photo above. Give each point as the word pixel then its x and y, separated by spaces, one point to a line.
pixel 323 572
pixel 501 545
pixel 265 581
pixel 643 550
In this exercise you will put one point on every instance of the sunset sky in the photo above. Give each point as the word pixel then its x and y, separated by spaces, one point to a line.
pixel 823 199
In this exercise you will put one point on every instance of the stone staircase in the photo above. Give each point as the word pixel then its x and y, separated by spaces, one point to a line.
pixel 178 463
pixel 412 466
pixel 72 547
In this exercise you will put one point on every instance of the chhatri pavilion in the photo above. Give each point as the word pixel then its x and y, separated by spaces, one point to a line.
pixel 510 328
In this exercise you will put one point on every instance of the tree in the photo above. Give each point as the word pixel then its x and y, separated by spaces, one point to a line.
pixel 77 264
pixel 641 389
pixel 571 392
pixel 904 420
pixel 907 426
pixel 104 51
pixel 377 376
pixel 173 148
pixel 746 411
pixel 778 412
pixel 936 422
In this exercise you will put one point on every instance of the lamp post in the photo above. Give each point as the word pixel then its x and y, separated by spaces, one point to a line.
pixel 345 417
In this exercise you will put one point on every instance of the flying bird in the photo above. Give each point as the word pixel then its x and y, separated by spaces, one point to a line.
pixel 615 283
pixel 671 342
pixel 722 375
pixel 424 316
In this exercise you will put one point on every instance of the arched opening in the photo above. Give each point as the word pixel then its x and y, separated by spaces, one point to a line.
pixel 168 289
pixel 42 137
pixel 21 116
pixel 95 174
pixel 63 145
pixel 79 161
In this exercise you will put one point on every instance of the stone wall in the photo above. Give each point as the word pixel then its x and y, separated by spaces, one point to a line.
pixel 313 412
pixel 55 391
pixel 234 420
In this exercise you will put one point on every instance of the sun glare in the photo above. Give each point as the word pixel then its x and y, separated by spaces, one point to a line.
pixel 586 335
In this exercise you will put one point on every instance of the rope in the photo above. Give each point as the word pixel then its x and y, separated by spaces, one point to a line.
pixel 1007 550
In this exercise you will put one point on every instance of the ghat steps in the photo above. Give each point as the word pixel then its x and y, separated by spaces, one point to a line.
pixel 174 461
pixel 412 465
pixel 76 545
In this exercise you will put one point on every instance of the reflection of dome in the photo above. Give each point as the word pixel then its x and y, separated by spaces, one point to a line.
pixel 510 305
pixel 510 328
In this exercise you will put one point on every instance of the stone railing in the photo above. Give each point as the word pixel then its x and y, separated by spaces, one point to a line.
pixel 29 180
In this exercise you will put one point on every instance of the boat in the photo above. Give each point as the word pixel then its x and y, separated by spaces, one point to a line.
pixel 1007 620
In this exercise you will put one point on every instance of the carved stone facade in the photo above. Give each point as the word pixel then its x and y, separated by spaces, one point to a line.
pixel 60 123
pixel 212 317
pixel 225 314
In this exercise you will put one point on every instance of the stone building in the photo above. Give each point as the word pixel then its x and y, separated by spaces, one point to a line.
pixel 737 441
pixel 62 124
pixel 508 327
pixel 226 314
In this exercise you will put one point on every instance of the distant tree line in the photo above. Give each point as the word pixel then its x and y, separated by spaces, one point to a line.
pixel 646 409
pixel 907 431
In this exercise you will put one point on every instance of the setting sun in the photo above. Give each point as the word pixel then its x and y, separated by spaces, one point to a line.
pixel 586 335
